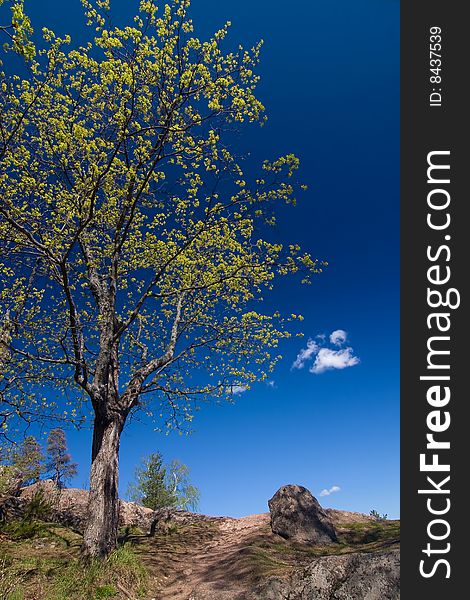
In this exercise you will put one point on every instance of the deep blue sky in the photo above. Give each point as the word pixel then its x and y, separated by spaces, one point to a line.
pixel 330 82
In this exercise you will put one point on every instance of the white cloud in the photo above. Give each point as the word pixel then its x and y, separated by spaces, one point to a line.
pixel 271 383
pixel 327 359
pixel 326 353
pixel 238 389
pixel 305 354
pixel 338 337
pixel 332 490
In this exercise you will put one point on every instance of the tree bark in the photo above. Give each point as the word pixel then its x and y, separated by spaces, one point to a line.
pixel 101 530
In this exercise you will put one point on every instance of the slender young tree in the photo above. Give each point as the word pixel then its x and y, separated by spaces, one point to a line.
pixel 134 244
pixel 163 486
pixel 59 463
pixel 187 495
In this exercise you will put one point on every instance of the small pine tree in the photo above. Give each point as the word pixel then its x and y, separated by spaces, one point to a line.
pixel 59 463
pixel 150 489
pixel 27 461
pixel 377 516
pixel 160 486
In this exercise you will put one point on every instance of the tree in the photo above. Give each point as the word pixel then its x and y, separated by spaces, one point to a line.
pixel 150 489
pixel 27 461
pixel 133 252
pixel 17 30
pixel 10 482
pixel 377 516
pixel 58 461
pixel 160 486
pixel 187 495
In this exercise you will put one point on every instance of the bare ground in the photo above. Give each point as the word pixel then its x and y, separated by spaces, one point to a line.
pixel 206 559
pixel 226 558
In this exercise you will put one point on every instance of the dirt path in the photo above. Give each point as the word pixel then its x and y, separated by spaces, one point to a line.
pixel 221 558
pixel 205 561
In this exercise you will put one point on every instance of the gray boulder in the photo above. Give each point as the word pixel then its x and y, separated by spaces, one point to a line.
pixel 296 515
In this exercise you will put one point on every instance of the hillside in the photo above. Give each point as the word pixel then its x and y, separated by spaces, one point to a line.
pixel 195 557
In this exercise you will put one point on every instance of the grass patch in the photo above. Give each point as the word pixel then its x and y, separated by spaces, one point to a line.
pixel 24 531
pixel 368 533
pixel 8 580
pixel 121 575
pixel 16 576
pixel 120 572
pixel 265 564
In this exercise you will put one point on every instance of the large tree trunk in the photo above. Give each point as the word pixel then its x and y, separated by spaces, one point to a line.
pixel 101 530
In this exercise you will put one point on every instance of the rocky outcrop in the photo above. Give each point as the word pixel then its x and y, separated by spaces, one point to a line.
pixel 69 507
pixel 296 515
pixel 347 577
pixel 14 509
pixel 11 508
pixel 134 515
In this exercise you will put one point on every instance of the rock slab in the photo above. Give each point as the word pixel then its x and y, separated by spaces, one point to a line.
pixel 296 515
pixel 349 577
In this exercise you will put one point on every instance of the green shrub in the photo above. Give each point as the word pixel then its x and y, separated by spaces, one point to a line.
pixel 36 511
pixel 38 508
pixel 23 530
